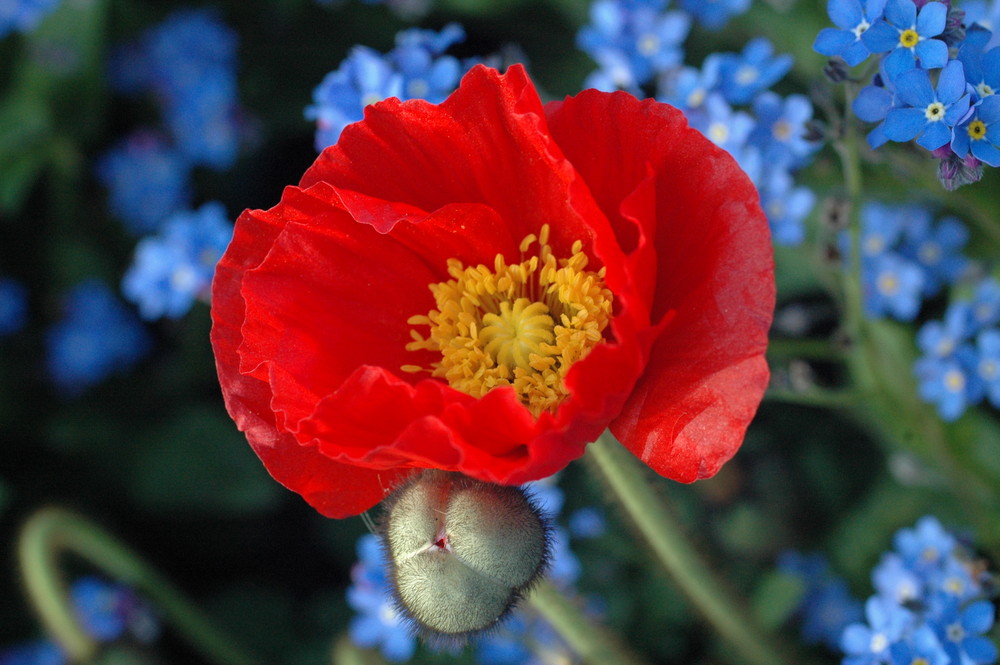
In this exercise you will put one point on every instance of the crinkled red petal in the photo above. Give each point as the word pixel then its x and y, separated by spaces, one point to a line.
pixel 713 274
pixel 334 489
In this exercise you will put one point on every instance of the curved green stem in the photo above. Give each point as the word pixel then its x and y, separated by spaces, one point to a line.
pixel 590 641
pixel 625 476
pixel 52 531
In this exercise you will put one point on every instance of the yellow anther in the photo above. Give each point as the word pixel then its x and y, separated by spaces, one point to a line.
pixel 520 325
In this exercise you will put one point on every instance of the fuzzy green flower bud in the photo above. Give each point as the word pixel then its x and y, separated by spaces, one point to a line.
pixel 462 552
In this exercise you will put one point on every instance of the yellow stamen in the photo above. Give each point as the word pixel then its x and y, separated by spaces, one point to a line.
pixel 976 129
pixel 908 38
pixel 520 325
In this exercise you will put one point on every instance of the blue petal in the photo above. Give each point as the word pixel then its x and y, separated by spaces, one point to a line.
pixel 991 67
pixel 844 13
pixel 979 650
pixel 876 138
pixel 856 53
pixel 933 53
pixel 989 109
pixel 881 37
pixel 831 41
pixel 957 112
pixel 960 141
pixel 986 152
pixel 901 13
pixel 951 84
pixel 856 638
pixel 931 19
pixel 874 10
pixel 978 617
pixel 872 103
pixel 914 88
pixel 899 62
pixel 936 135
pixel 904 124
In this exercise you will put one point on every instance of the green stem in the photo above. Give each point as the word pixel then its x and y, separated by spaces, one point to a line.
pixel 52 531
pixel 624 475
pixel 592 642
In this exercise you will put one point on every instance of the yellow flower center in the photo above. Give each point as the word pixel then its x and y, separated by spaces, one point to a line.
pixel 934 111
pixel 977 130
pixel 909 38
pixel 520 325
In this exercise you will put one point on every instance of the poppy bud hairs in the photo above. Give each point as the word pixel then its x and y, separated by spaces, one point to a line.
pixel 461 552
pixel 485 285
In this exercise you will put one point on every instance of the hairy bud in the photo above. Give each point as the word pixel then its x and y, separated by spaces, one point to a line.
pixel 462 552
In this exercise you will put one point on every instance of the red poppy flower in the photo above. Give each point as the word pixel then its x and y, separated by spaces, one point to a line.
pixel 485 285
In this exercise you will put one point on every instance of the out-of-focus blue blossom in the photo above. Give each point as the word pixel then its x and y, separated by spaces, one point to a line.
pixel 929 609
pixel 106 612
pixel 926 113
pixel 24 15
pixel 97 336
pixel 781 133
pixel 415 69
pixel 147 180
pixel 377 624
pixel 714 14
pixel 980 133
pixel 786 206
pixel 959 366
pixel 687 88
pixel 922 647
pixel 189 63
pixel 909 36
pixel 587 522
pixel 632 42
pixel 941 339
pixel 13 306
pixel 564 567
pixel 937 248
pixel 205 123
pixel 742 76
pixel 722 125
pixel 961 631
pixel 894 580
pixel 881 228
pixel 869 642
pixel 949 382
pixel 985 304
pixel 34 653
pixel 525 639
pixel 853 21
pixel 362 79
pixel 174 268
pixel 988 365
pixel 892 286
pixel 826 606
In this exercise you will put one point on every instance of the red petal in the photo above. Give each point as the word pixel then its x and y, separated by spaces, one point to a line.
pixel 334 489
pixel 713 273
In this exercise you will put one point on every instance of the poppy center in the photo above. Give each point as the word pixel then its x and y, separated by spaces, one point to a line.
pixel 521 325
pixel 908 38
pixel 977 130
